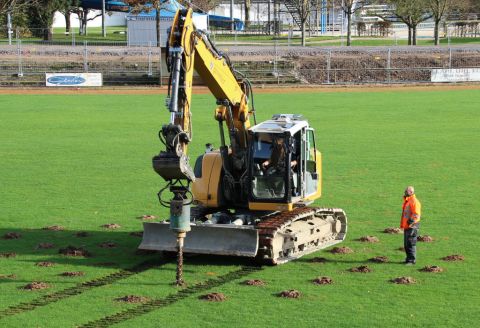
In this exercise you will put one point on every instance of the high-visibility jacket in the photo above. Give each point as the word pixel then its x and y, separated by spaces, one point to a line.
pixel 411 210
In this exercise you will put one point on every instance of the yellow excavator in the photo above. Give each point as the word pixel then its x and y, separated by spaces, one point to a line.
pixel 250 197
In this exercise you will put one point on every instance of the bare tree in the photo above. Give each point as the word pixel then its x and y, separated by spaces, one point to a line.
pixel 438 9
pixel 83 18
pixel 412 13
pixel 15 5
pixel 350 7
pixel 247 5
pixel 301 11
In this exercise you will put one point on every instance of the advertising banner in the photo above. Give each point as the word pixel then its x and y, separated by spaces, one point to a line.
pixel 456 75
pixel 73 79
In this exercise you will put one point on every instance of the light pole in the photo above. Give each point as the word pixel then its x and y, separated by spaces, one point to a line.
pixel 104 32
pixel 9 26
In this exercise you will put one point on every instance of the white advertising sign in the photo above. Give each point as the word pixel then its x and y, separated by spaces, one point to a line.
pixel 73 79
pixel 456 75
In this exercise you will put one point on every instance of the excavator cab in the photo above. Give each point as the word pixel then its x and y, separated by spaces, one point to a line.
pixel 286 166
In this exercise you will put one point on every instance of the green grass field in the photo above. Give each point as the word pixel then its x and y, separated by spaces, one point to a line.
pixel 81 161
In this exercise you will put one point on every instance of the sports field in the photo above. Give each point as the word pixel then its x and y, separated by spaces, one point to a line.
pixel 83 161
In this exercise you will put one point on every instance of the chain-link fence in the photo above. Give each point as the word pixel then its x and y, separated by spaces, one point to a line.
pixel 26 64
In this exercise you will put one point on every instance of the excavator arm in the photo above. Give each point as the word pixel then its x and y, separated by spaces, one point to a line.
pixel 190 49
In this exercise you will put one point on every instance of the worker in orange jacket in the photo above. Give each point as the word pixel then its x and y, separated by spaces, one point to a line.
pixel 410 223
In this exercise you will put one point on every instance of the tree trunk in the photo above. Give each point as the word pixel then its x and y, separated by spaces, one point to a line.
pixel 157 22
pixel 303 33
pixel 47 34
pixel 349 28
pixel 248 4
pixel 409 36
pixel 437 32
pixel 414 35
pixel 67 22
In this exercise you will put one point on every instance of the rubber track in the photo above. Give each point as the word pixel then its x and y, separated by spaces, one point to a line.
pixel 80 288
pixel 155 304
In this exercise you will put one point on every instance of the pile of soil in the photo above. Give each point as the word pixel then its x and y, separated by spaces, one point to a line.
pixel 107 244
pixel 54 228
pixel 404 280
pixel 379 259
pixel 454 257
pixel 82 234
pixel 292 293
pixel 72 273
pixel 12 235
pixel 214 297
pixel 8 276
pixel 341 250
pixel 45 264
pixel 425 239
pixel 136 233
pixel 319 260
pixel 369 239
pixel 147 217
pixel 74 251
pixel 132 299
pixel 432 268
pixel 35 285
pixel 401 249
pixel 323 281
pixel 362 269
pixel 8 255
pixel 45 246
pixel 111 226
pixel 393 230
pixel 254 282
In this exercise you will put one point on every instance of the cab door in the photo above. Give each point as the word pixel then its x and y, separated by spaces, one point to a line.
pixel 312 166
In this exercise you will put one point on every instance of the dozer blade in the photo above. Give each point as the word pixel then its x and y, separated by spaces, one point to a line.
pixel 218 239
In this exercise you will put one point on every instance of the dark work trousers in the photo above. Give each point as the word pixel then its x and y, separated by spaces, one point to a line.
pixel 410 244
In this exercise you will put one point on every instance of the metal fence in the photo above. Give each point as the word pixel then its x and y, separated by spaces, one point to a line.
pixel 26 64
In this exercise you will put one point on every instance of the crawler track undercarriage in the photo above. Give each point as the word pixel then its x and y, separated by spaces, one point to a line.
pixel 275 238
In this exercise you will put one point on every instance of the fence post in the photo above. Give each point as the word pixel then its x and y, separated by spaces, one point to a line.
pixel 449 57
pixel 389 56
pixel 329 65
pixel 275 70
pixel 149 73
pixel 19 55
pixel 73 37
pixel 85 57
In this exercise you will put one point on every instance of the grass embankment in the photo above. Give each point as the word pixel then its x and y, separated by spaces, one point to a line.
pixel 84 161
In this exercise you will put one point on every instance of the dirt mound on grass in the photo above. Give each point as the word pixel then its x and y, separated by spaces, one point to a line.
pixel 147 217
pixel 45 246
pixel 132 299
pixel 425 239
pixel 54 228
pixel 12 235
pixel 36 285
pixel 214 297
pixel 432 268
pixel 454 257
pixel 107 244
pixel 323 281
pixel 72 273
pixel 379 259
pixel 369 239
pixel 401 249
pixel 45 264
pixel 254 282
pixel 8 276
pixel 362 269
pixel 111 226
pixel 74 251
pixel 341 250
pixel 8 255
pixel 136 233
pixel 319 260
pixel 404 280
pixel 292 293
pixel 393 230
pixel 82 234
